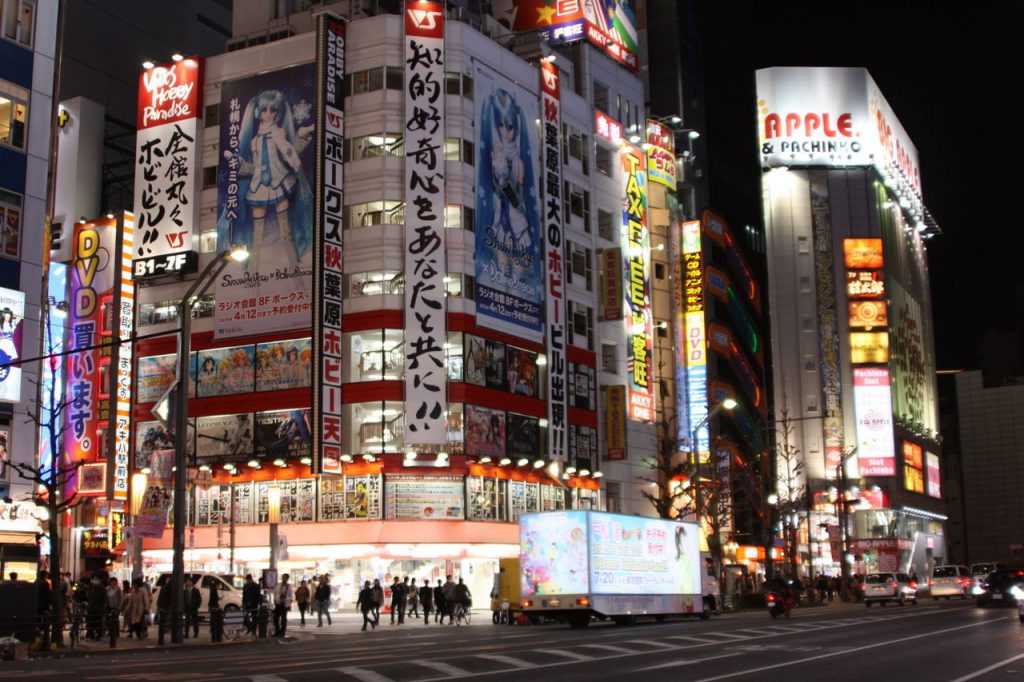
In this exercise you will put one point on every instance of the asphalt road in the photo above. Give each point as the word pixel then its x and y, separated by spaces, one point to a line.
pixel 931 641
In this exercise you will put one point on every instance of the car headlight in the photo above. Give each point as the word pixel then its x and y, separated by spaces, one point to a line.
pixel 1016 592
pixel 977 589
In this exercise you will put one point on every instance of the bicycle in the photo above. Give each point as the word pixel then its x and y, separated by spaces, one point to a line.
pixel 77 623
pixel 460 612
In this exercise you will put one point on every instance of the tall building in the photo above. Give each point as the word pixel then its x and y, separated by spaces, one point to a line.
pixel 457 386
pixel 855 403
pixel 28 32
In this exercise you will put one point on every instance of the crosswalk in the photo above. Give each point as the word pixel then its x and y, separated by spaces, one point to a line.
pixel 467 665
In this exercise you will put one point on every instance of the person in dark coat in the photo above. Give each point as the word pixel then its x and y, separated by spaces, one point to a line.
pixel 192 601
pixel 45 594
pixel 397 601
pixel 439 603
pixel 97 609
pixel 365 603
pixel 378 599
pixel 322 601
pixel 250 603
pixel 426 600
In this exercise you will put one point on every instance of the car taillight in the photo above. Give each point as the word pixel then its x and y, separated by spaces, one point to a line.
pixel 583 601
pixel 526 603
pixel 913 583
pixel 965 581
pixel 893 584
pixel 930 582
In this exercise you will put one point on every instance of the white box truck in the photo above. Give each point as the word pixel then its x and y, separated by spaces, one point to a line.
pixel 578 565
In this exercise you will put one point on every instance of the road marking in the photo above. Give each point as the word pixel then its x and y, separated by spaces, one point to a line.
pixel 266 678
pixel 364 675
pixel 610 647
pixel 652 642
pixel 443 668
pixel 888 642
pixel 676 664
pixel 732 637
pixel 782 628
pixel 574 655
pixel 989 669
pixel 507 660
pixel 701 640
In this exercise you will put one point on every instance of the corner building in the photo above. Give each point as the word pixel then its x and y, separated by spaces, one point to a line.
pixel 386 505
pixel 853 346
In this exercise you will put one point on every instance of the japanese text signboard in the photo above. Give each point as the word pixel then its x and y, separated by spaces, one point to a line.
pixel 695 337
pixel 555 294
pixel 123 366
pixel 167 161
pixel 426 400
pixel 636 267
pixel 327 247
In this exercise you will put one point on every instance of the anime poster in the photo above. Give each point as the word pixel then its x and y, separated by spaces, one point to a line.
pixel 508 225
pixel 485 432
pixel 523 436
pixel 265 203
pixel 283 434
pixel 156 374
pixel 522 371
pixel 298 500
pixel 12 313
pixel 495 373
pixel 283 364
pixel 224 436
pixel 553 553
pixel 152 516
pixel 153 436
pixel 636 555
pixel 224 371
pixel 476 361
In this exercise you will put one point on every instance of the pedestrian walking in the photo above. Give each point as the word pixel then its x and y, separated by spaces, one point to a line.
pixel 439 604
pixel 96 610
pixel 378 600
pixel 463 598
pixel 449 599
pixel 283 596
pixel 396 590
pixel 426 600
pixel 250 603
pixel 322 597
pixel 192 602
pixel 365 602
pixel 302 599
pixel 137 609
pixel 413 597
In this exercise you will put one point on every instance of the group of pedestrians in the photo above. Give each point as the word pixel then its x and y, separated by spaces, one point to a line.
pixel 408 599
pixel 311 596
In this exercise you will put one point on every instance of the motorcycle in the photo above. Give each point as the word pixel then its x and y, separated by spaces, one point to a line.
pixel 778 604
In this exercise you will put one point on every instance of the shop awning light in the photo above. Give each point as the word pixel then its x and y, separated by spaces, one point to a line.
pixel 570 469
pixel 346 458
pixel 280 463
pixel 523 461
pixel 486 459
pixel 542 360
pixel 306 460
pixel 177 56
pixel 598 474
pixel 584 472
pixel 148 64
pixel 538 464
pixel 254 463
pixel 204 467
pixel 505 461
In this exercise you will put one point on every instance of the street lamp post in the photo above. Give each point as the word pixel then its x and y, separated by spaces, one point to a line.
pixel 273 518
pixel 139 484
pixel 844 565
pixel 194 293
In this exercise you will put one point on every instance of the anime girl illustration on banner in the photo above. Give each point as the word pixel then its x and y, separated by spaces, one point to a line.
pixel 265 201
pixel 12 309
pixel 508 246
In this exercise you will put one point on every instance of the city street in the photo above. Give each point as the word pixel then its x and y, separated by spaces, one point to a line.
pixel 931 641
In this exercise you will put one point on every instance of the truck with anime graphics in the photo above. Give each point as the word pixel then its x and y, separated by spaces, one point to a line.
pixel 576 566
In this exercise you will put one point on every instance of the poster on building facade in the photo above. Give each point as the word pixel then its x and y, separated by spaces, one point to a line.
pixel 226 437
pixel 872 400
pixel 12 314
pixel 325 347
pixel 264 202
pixel 424 496
pixel 509 290
pixel 283 364
pixel 156 501
pixel 425 269
pixel 485 432
pixel 167 156
pixel 155 375
pixel 283 434
pixel 636 246
pixel 224 371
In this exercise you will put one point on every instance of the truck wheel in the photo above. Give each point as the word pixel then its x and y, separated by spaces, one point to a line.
pixel 624 620
pixel 706 613
pixel 579 620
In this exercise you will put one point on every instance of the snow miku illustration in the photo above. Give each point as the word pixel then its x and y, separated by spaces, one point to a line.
pixel 277 188
pixel 508 189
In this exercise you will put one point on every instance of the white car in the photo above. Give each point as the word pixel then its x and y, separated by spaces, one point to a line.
pixel 979 572
pixel 230 594
pixel 888 587
pixel 950 581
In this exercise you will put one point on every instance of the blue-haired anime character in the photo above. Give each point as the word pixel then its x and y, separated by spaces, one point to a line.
pixel 508 193
pixel 273 181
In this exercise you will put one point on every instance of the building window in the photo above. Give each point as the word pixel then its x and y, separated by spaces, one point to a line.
pixel 609 358
pixel 581 327
pixel 18 19
pixel 365 81
pixel 208 241
pixel 10 224
pixel 659 271
pixel 580 265
pixel 613 496
pixel 394 78
pixel 13 114
pixel 375 355
pixel 374 213
pixel 603 159
pixel 601 96
pixel 456 149
pixel 374 283
pixel 209 177
pixel 582 386
pixel 211 115
pixel 606 227
pixel 374 146
pixel 164 312
pixel 467 87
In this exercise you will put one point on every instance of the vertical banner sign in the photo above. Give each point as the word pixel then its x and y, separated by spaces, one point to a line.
pixel 167 157
pixel 12 316
pixel 637 266
pixel 124 309
pixel 661 154
pixel 265 203
pixel 695 338
pixel 327 247
pixel 51 389
pixel 94 272
pixel 555 341
pixel 426 329
pixel 872 403
pixel 615 421
pixel 675 256
pixel 509 247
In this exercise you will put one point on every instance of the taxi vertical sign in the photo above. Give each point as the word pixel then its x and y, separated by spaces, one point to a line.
pixel 637 267
pixel 124 310
pixel 555 294
pixel 327 247
pixel 696 338
pixel 426 328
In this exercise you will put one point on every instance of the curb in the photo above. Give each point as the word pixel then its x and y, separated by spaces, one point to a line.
pixel 101 651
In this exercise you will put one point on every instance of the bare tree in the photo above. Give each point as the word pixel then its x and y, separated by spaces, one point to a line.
pixel 668 467
pixel 790 486
pixel 52 481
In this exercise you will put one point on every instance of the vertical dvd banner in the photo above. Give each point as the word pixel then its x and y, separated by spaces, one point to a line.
pixel 426 328
pixel 327 247
pixel 118 468
pixel 555 294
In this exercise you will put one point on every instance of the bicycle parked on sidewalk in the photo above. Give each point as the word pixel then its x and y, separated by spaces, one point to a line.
pixel 460 613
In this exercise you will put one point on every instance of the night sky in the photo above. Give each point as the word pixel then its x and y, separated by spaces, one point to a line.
pixel 951 72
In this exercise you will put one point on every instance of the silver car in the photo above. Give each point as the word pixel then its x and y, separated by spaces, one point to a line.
pixel 950 581
pixel 888 587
